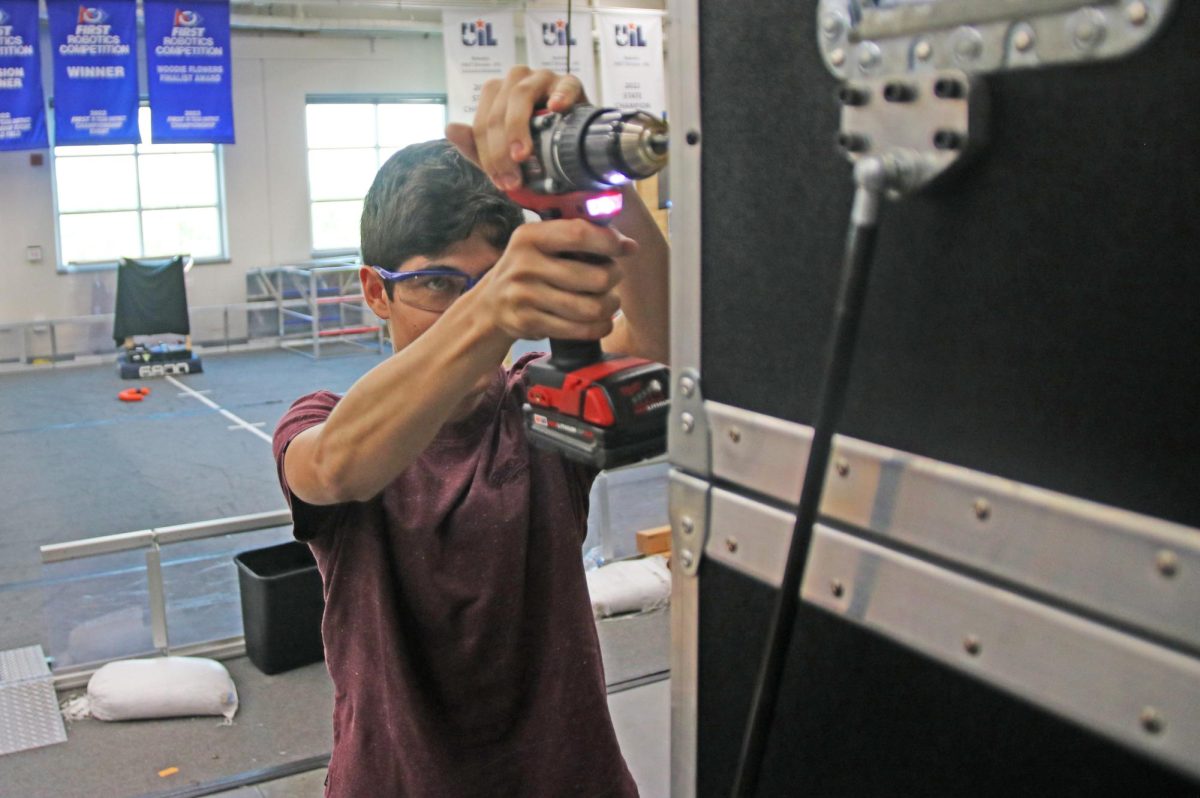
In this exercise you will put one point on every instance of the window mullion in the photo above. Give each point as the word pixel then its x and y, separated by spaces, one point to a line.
pixel 378 138
pixel 137 184
pixel 89 216
pixel 332 228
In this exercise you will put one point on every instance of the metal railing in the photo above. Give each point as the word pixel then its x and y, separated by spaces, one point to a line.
pixel 314 284
pixel 151 540
pixel 26 352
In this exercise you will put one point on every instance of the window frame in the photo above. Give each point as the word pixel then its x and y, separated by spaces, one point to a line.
pixel 63 267
pixel 414 98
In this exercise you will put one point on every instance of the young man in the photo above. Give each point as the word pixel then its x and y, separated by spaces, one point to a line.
pixel 458 630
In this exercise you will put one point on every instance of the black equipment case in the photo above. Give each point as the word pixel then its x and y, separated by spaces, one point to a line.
pixel 1002 595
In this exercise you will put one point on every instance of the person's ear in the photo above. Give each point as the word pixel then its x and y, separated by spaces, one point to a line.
pixel 375 292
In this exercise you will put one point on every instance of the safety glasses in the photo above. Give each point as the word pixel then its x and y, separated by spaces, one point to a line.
pixel 433 289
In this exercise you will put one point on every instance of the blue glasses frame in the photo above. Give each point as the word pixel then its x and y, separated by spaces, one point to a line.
pixel 446 271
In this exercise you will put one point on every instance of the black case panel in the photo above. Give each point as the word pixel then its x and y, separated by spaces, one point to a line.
pixel 1033 317
pixel 860 716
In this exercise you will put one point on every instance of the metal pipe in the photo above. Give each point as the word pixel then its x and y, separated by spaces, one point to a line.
pixel 364 26
pixel 158 600
pixel 107 544
pixel 140 539
pixel 839 356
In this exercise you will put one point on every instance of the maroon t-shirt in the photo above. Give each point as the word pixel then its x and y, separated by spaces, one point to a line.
pixel 458 629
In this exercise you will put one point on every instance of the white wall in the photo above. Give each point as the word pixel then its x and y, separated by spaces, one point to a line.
pixel 266 183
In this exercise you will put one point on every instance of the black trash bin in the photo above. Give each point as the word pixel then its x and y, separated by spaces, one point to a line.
pixel 282 602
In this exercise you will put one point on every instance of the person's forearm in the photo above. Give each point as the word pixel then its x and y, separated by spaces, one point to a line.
pixel 391 413
pixel 645 302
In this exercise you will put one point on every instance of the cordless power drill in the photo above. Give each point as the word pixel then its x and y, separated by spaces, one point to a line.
pixel 605 410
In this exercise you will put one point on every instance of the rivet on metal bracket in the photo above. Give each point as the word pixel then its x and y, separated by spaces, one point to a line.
pixel 1088 29
pixel 1167 563
pixel 688 432
pixel 689 518
pixel 1152 720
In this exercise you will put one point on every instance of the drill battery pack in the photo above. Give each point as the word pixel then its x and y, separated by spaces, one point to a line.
pixel 606 414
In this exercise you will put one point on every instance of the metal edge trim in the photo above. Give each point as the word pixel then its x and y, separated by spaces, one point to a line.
pixel 983 40
pixel 1131 568
pixel 246 779
pixel 686 492
pixel 686 450
pixel 685 219
pixel 685 683
pixel 683 69
pixel 640 681
pixel 1138 694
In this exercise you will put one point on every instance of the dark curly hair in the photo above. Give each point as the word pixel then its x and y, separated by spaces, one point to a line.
pixel 426 198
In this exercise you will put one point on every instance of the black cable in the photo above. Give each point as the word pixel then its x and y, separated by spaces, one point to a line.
pixel 860 249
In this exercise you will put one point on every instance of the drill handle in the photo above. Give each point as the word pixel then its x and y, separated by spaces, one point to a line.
pixel 569 355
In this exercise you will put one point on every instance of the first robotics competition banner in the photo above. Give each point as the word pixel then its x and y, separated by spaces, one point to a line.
pixel 479 45
pixel 546 36
pixel 22 109
pixel 94 47
pixel 632 76
pixel 188 66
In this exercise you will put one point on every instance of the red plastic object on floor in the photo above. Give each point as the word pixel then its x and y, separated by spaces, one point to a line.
pixel 133 394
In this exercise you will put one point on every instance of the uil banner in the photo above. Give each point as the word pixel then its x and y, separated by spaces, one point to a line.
pixel 22 110
pixel 188 66
pixel 479 46
pixel 95 71
pixel 631 61
pixel 546 37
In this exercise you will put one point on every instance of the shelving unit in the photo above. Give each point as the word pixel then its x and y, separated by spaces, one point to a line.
pixel 314 303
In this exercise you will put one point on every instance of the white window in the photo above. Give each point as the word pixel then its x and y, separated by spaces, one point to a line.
pixel 348 141
pixel 121 200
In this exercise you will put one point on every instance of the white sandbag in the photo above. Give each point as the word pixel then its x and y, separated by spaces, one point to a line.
pixel 629 586
pixel 162 687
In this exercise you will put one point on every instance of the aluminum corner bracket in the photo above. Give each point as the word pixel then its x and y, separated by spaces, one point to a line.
pixel 688 439
pixel 689 519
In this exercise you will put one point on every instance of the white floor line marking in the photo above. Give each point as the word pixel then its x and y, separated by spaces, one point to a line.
pixel 241 423
pixel 253 424
pixel 206 390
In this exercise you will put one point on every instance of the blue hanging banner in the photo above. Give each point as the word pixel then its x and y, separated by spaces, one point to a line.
pixel 187 55
pixel 94 45
pixel 22 110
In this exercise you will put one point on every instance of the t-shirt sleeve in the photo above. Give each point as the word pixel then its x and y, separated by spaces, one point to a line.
pixel 308 520
pixel 580 476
